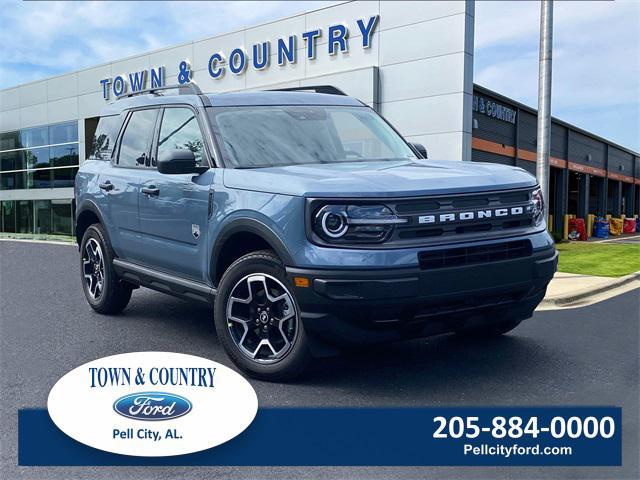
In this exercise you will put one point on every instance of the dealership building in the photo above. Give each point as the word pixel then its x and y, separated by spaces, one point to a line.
pixel 410 61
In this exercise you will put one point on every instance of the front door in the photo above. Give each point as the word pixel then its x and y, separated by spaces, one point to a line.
pixel 174 208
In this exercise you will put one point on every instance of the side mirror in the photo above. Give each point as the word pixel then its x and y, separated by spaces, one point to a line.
pixel 420 148
pixel 177 161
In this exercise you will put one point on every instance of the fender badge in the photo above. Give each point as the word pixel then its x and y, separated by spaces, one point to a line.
pixel 195 231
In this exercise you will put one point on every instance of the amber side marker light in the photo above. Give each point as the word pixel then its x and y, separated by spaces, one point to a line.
pixel 302 282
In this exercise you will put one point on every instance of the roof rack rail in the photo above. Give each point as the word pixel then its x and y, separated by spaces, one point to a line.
pixel 328 89
pixel 185 89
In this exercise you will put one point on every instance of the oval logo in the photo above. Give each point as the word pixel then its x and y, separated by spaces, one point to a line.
pixel 152 406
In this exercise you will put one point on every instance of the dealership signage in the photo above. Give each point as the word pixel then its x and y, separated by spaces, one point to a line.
pixel 236 61
pixel 492 109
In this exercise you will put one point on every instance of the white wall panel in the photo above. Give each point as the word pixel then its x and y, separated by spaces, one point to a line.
pixel 33 115
pixel 64 86
pixel 10 120
pixel 426 77
pixel 355 58
pixel 441 146
pixel 275 30
pixel 89 105
pixel 170 59
pixel 33 93
pixel 203 50
pixel 422 40
pixel 357 83
pixel 395 14
pixel 442 113
pixel 9 99
pixel 275 73
pixel 89 79
pixel 345 13
pixel 62 110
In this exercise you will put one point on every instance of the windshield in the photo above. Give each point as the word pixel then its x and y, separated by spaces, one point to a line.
pixel 267 136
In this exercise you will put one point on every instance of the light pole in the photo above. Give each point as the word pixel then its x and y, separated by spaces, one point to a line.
pixel 544 98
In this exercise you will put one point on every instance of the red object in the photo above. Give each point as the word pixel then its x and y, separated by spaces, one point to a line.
pixel 577 229
pixel 629 225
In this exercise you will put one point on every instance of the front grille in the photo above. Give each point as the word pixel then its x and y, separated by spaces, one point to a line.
pixel 456 257
pixel 462 216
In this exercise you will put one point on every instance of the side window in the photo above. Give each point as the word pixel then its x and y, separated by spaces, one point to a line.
pixel 136 140
pixel 180 130
pixel 105 137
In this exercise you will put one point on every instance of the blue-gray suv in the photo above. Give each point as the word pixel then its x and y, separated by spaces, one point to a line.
pixel 306 221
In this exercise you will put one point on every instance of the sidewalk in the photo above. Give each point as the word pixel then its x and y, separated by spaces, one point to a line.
pixel 567 289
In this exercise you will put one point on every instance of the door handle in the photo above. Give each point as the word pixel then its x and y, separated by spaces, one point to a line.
pixel 106 186
pixel 152 190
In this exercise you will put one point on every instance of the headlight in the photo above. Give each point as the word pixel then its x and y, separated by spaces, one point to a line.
pixel 346 224
pixel 538 206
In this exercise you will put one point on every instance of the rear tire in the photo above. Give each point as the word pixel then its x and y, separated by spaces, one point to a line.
pixel 489 331
pixel 257 318
pixel 105 292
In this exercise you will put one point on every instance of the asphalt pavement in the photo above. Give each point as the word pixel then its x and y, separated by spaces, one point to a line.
pixel 582 356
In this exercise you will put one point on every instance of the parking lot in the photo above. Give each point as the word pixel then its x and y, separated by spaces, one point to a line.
pixel 585 356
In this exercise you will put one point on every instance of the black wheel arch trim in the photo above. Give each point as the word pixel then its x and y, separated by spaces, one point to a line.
pixel 90 206
pixel 256 227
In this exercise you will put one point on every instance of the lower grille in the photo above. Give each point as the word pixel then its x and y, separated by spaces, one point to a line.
pixel 455 257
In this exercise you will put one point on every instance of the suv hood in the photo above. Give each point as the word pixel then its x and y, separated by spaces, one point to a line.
pixel 379 179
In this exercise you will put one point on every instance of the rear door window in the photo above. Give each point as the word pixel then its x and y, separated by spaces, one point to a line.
pixel 135 145
pixel 105 137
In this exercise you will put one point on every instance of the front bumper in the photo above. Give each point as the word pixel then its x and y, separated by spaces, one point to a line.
pixel 368 306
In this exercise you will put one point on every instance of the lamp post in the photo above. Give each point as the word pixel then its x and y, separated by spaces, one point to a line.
pixel 544 98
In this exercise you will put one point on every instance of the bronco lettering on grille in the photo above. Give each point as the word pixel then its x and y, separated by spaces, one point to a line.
pixel 479 214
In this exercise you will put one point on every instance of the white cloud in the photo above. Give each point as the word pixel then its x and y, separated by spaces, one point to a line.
pixel 40 39
pixel 596 61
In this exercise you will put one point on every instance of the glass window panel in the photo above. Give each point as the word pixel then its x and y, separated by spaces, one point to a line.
pixel 35 179
pixel 105 137
pixel 61 217
pixel 64 177
pixel 12 161
pixel 9 216
pixel 136 141
pixel 179 131
pixel 64 155
pixel 34 137
pixel 10 140
pixel 63 133
pixel 42 216
pixel 36 158
pixel 24 216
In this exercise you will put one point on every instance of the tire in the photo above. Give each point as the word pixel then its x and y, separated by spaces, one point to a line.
pixel 263 308
pixel 489 331
pixel 112 294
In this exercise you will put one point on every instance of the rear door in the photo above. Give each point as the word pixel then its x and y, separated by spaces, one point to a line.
pixel 120 181
pixel 174 209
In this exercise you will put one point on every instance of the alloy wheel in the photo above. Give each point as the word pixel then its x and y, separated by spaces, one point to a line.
pixel 262 318
pixel 93 268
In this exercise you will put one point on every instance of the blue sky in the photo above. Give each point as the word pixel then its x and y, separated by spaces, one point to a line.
pixel 596 71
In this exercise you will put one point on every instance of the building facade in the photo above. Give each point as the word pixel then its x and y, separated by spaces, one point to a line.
pixel 411 61
pixel 589 175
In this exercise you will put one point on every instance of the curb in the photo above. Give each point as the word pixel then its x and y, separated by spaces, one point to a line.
pixel 26 240
pixel 563 301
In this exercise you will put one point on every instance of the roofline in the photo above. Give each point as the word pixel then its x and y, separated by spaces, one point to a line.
pixel 534 111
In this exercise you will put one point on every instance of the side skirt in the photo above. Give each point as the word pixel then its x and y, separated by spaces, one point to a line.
pixel 164 282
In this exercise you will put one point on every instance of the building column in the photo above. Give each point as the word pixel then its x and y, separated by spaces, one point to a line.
pixel 616 208
pixel 583 196
pixel 561 199
pixel 602 197
pixel 628 200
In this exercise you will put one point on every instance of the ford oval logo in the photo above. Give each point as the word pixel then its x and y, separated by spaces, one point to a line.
pixel 152 406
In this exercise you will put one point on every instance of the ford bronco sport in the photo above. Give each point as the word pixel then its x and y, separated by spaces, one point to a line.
pixel 306 221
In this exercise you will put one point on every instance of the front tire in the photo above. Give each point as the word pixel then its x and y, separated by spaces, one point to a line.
pixel 257 318
pixel 104 291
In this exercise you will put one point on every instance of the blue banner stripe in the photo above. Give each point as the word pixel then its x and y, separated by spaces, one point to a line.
pixel 341 437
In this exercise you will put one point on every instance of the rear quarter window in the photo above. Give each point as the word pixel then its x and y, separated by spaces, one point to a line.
pixel 105 137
